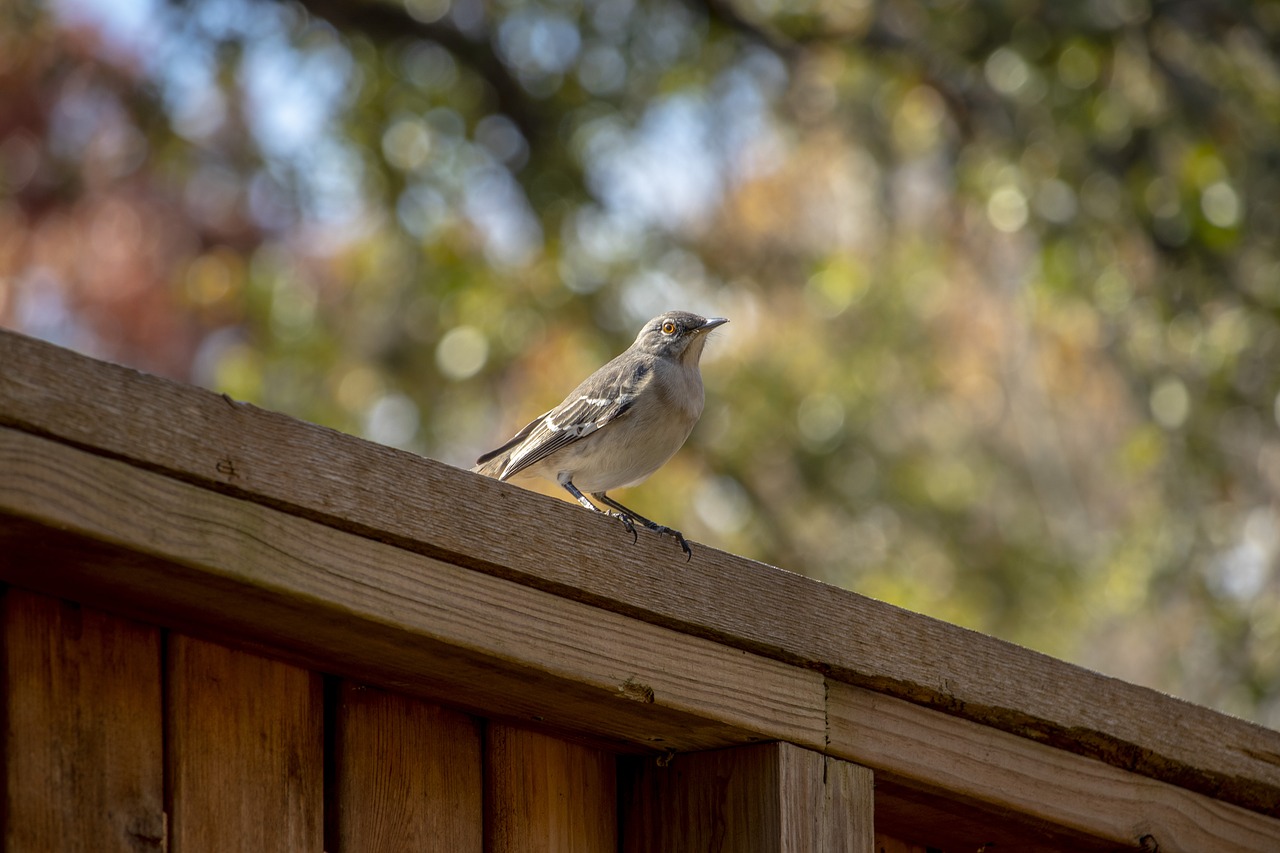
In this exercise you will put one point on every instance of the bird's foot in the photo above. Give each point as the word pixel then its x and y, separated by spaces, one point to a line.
pixel 675 534
pixel 628 523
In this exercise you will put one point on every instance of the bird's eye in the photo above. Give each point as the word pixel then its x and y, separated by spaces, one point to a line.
pixel 668 328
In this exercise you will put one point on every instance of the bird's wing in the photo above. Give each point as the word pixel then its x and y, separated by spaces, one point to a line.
pixel 603 398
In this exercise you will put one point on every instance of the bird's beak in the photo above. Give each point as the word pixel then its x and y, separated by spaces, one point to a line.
pixel 711 323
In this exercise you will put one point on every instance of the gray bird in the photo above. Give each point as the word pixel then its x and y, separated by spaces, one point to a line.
pixel 621 424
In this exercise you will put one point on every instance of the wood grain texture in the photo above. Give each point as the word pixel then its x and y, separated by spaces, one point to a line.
pixel 497 528
pixel 409 776
pixel 849 807
pixel 547 795
pixel 83 736
pixel 245 753
pixel 765 798
pixel 194 559
pixel 1008 781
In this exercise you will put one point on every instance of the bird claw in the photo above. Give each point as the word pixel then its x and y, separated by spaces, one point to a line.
pixel 688 552
pixel 677 535
pixel 629 524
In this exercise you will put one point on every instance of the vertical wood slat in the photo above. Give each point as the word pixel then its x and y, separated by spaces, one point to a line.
pixel 546 795
pixel 245 753
pixel 765 798
pixel 848 813
pixel 82 735
pixel 409 776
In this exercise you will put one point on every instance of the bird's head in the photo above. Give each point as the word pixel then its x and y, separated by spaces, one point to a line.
pixel 677 334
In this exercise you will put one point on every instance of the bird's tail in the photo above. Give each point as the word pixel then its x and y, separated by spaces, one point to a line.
pixel 495 462
pixel 492 464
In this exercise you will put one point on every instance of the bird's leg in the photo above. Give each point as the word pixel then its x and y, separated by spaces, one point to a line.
pixel 652 525
pixel 582 499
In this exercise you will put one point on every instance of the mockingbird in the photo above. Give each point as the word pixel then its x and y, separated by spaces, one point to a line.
pixel 621 424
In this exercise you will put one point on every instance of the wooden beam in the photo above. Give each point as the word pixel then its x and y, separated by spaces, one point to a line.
pixel 766 798
pixel 189 558
pixel 498 529
pixel 986 787
pixel 82 740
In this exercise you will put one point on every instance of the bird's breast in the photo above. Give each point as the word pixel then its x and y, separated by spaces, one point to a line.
pixel 679 390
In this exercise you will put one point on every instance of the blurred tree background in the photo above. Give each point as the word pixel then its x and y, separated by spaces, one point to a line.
pixel 1004 277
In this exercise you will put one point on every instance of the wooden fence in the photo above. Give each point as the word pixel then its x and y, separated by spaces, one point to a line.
pixel 225 629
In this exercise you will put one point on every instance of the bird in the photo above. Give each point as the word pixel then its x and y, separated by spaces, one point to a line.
pixel 620 425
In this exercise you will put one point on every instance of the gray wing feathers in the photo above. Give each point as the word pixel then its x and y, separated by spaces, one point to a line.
pixel 604 397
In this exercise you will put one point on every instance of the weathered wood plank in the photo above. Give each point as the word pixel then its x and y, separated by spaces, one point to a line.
pixel 401 498
pixel 764 798
pixel 245 753
pixel 83 736
pixel 356 607
pixel 1010 780
pixel 547 795
pixel 409 776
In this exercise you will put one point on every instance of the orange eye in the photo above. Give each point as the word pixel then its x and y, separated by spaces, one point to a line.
pixel 668 328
